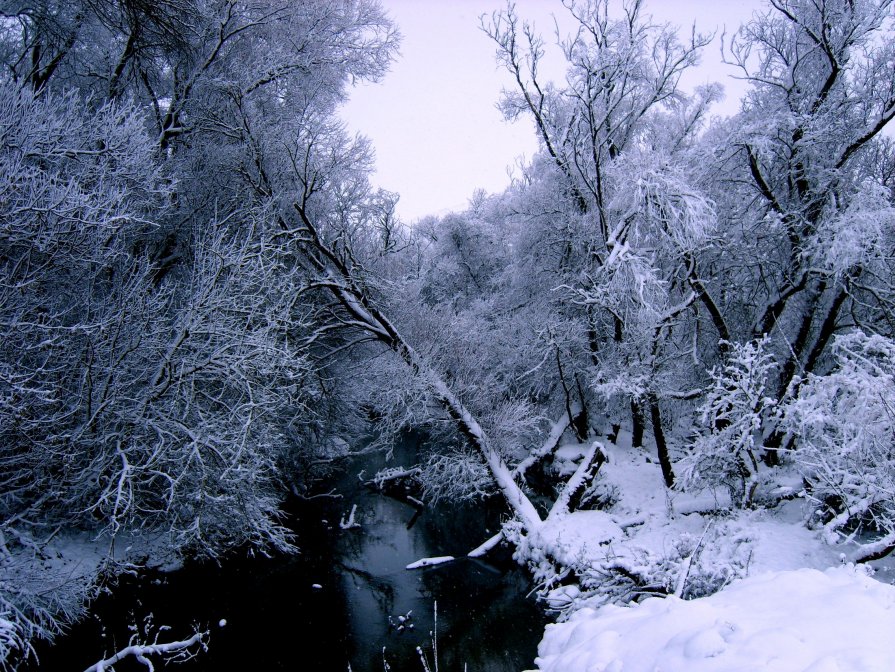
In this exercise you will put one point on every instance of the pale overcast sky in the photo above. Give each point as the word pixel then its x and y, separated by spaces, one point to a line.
pixel 433 121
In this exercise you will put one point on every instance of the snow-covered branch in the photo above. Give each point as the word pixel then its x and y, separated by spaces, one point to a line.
pixel 177 651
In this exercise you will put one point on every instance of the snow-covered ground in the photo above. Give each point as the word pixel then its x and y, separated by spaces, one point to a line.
pixel 802 620
pixel 768 593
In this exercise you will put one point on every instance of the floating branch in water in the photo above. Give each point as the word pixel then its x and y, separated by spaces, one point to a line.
pixel 428 562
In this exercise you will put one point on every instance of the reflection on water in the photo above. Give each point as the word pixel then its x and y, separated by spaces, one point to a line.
pixel 343 599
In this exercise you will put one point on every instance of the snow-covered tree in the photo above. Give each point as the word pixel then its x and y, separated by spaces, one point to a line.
pixel 615 139
pixel 728 448
pixel 797 187
pixel 155 369
pixel 132 403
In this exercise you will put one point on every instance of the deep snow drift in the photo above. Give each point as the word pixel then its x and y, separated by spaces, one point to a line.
pixel 795 621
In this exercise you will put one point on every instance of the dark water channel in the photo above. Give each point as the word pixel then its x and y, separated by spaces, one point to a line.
pixel 338 601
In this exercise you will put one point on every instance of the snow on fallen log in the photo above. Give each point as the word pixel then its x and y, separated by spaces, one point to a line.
pixel 583 473
pixel 429 562
pixel 573 538
pixel 549 445
pixel 486 546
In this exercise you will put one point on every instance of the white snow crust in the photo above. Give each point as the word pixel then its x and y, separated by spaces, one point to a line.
pixel 577 535
pixel 801 620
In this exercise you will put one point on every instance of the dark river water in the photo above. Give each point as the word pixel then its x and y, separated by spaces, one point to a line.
pixel 338 602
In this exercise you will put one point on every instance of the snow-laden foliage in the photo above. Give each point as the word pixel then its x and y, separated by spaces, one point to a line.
pixel 728 447
pixel 133 400
pixel 456 476
pixel 470 339
pixel 857 236
pixel 463 260
pixel 70 214
pixel 154 365
pixel 690 566
pixel 844 423
pixel 41 591
pixel 665 203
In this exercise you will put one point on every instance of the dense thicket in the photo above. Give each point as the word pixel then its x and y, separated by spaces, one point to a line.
pixel 157 387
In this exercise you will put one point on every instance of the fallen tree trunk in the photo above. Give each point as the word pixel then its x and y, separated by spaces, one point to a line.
pixel 334 276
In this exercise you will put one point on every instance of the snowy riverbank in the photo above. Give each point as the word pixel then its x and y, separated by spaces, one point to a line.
pixel 764 590
pixel 794 621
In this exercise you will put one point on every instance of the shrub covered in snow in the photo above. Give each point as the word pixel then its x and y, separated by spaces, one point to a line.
pixel 688 565
pixel 725 451
pixel 457 475
pixel 845 424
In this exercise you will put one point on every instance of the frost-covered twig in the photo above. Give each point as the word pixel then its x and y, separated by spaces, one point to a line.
pixel 687 563
pixel 332 494
pixel 434 635
pixel 180 650
pixel 350 523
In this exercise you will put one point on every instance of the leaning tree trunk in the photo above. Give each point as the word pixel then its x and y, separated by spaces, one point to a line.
pixel 337 278
pixel 661 444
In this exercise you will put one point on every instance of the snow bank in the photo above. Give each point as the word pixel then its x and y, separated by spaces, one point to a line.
pixel 791 621
pixel 783 612
pixel 576 537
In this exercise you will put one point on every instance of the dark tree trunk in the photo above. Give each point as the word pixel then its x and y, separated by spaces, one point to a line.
pixel 636 424
pixel 661 445
pixel 581 422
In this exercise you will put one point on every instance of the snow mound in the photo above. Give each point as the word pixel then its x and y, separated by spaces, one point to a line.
pixel 805 620
pixel 576 537
pixel 567 457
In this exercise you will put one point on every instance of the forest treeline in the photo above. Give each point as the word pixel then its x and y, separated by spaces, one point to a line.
pixel 203 297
